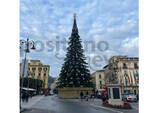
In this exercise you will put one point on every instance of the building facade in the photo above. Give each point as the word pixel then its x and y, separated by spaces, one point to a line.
pixel 98 79
pixel 127 71
pixel 37 70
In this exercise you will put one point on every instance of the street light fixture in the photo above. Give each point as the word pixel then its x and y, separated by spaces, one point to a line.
pixel 28 45
pixel 29 73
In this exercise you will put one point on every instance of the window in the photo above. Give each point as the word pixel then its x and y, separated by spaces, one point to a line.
pixel 135 66
pixel 126 78
pixel 39 74
pixel 99 76
pixel 34 62
pixel 124 66
pixel 33 74
pixel 44 80
pixel 135 92
pixel 126 91
pixel 45 69
pixel 44 74
pixel 126 81
pixel 33 69
pixel 100 84
pixel 39 69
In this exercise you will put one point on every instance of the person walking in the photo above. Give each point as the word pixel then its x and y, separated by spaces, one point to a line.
pixel 23 96
pixel 137 96
pixel 103 97
pixel 92 95
pixel 26 97
pixel 87 95
pixel 96 93
pixel 81 95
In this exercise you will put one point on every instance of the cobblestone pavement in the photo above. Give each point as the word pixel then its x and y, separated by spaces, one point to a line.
pixel 98 104
pixel 51 104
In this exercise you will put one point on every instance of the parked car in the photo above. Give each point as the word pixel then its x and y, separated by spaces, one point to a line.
pixel 124 97
pixel 129 97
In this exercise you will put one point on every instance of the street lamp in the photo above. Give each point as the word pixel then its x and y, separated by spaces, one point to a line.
pixel 28 45
pixel 29 73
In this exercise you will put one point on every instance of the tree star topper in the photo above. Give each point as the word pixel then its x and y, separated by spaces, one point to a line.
pixel 74 15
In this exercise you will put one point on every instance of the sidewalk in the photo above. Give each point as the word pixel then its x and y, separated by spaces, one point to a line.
pixel 97 102
pixel 30 103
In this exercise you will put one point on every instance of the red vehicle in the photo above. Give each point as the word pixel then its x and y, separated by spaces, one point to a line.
pixel 101 92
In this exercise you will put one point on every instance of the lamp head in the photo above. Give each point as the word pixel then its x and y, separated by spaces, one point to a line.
pixel 33 47
pixel 27 50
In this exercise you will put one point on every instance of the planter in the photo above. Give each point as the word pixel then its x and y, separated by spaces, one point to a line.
pixel 73 92
pixel 126 105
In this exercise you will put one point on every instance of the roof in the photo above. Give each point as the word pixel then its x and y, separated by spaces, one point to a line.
pixel 98 71
pixel 105 66
pixel 124 58
pixel 35 60
pixel 130 58
pixel 29 89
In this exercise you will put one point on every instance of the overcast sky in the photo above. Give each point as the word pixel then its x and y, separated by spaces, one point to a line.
pixel 111 27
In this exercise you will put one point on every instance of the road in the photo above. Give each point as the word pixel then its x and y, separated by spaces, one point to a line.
pixel 51 104
pixel 135 106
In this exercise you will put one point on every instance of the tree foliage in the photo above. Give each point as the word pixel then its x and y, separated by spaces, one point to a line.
pixel 74 72
pixel 32 83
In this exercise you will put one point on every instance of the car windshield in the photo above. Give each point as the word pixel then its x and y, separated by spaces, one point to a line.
pixel 99 92
pixel 132 94
pixel 125 94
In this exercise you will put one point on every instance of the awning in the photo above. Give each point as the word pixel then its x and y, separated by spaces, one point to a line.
pixel 29 89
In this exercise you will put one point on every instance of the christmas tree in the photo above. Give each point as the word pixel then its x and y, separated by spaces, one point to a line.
pixel 74 72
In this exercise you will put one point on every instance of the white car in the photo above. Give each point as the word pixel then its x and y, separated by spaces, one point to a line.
pixel 131 98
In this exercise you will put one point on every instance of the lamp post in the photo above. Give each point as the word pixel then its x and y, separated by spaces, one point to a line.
pixel 28 45
pixel 29 73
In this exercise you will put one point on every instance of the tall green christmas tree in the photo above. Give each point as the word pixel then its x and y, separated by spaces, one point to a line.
pixel 74 72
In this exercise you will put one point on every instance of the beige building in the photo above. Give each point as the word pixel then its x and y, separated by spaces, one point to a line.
pixel 98 79
pixel 37 70
pixel 126 69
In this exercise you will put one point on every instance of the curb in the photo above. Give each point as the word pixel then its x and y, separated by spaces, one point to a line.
pixel 109 109
pixel 24 109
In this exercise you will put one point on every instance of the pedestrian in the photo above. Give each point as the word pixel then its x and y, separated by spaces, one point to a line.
pixel 57 95
pixel 26 97
pixel 31 95
pixel 23 96
pixel 137 96
pixel 81 95
pixel 107 96
pixel 87 95
pixel 96 93
pixel 103 97
pixel 92 95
